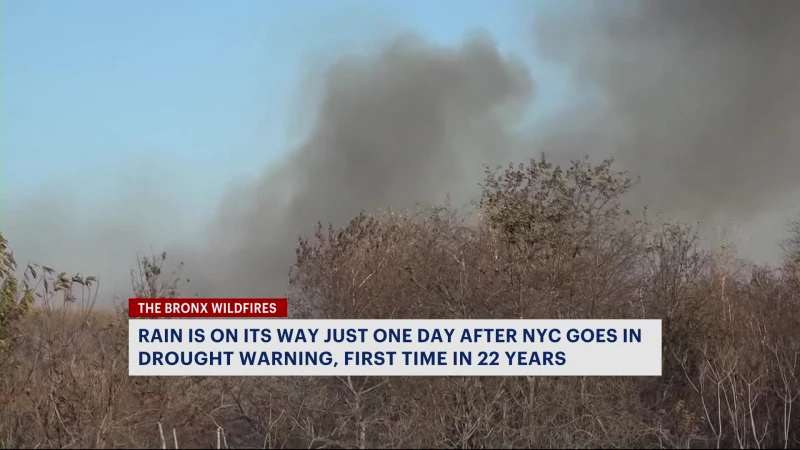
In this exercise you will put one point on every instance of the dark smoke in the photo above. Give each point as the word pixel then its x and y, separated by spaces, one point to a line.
pixel 700 98
pixel 414 123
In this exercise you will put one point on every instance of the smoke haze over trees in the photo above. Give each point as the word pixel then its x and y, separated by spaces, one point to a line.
pixel 697 98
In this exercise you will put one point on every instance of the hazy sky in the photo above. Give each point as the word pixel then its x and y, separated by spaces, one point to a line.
pixel 205 87
pixel 113 111
pixel 129 125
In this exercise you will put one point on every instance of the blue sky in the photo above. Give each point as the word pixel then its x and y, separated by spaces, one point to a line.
pixel 204 87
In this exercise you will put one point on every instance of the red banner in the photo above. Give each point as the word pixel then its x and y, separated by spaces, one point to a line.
pixel 175 308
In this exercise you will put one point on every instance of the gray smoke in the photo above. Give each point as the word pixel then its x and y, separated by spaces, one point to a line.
pixel 700 98
pixel 412 124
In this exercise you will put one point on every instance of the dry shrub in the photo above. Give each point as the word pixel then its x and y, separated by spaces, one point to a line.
pixel 544 242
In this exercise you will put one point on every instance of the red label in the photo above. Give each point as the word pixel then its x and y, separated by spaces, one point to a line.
pixel 176 308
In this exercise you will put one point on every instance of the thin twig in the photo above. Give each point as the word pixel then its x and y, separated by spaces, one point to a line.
pixel 161 433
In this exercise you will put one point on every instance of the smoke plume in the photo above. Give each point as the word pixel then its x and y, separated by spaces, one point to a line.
pixel 412 124
pixel 700 98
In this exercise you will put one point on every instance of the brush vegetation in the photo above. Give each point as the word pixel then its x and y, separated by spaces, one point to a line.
pixel 542 242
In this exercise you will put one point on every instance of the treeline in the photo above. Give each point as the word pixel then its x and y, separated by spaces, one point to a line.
pixel 543 242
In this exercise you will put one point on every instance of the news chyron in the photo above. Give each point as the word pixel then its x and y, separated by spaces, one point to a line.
pixel 255 337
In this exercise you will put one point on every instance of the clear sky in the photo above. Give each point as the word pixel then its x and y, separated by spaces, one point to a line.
pixel 206 87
